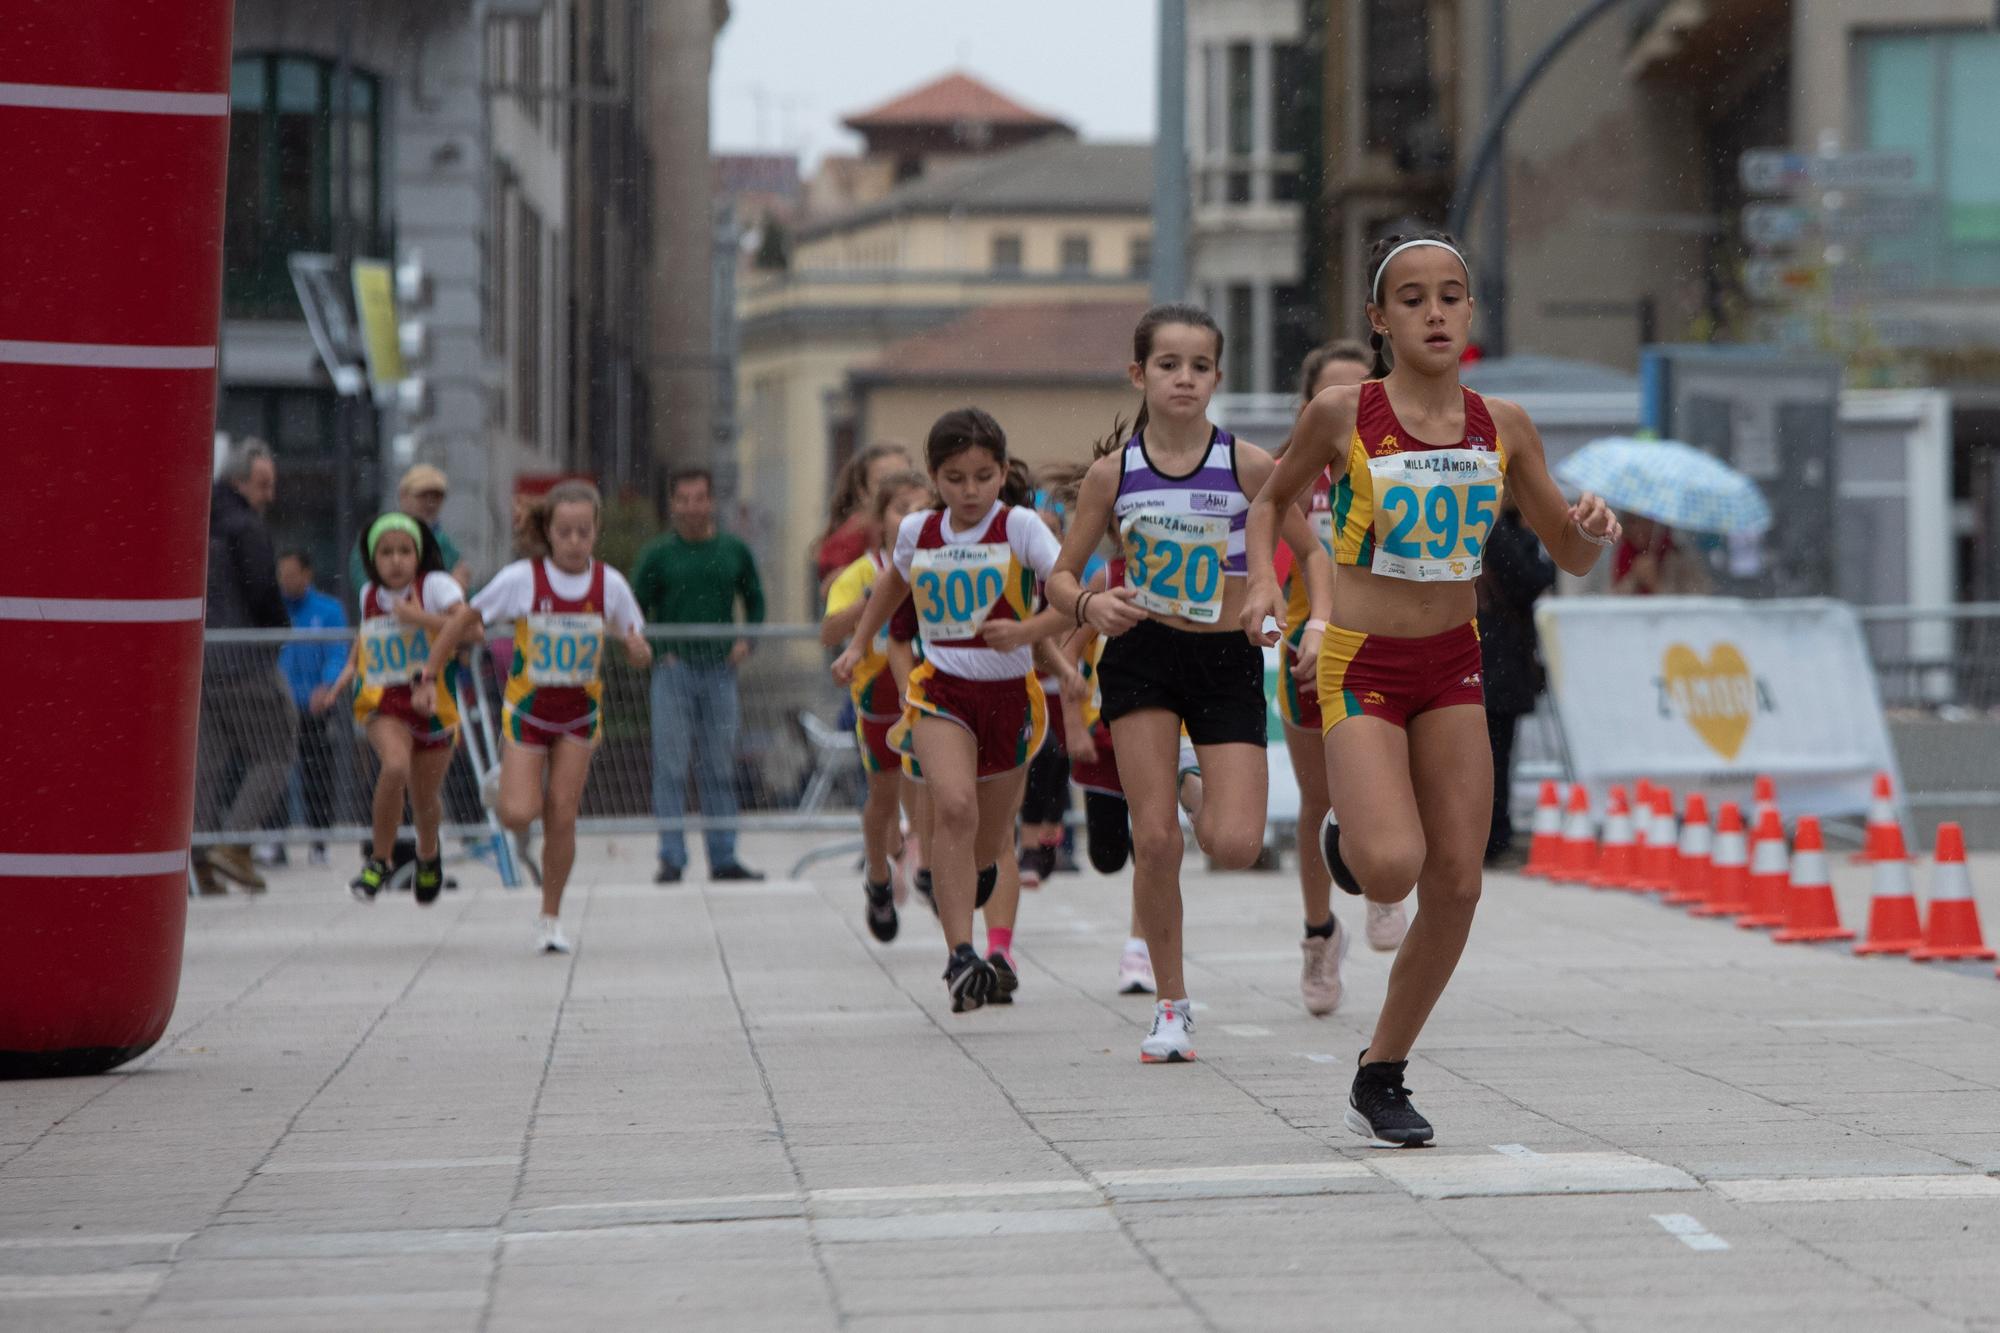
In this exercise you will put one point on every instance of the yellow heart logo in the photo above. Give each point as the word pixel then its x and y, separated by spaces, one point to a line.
pixel 1717 697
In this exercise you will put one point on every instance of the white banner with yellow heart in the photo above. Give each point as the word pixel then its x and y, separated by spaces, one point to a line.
pixel 1708 692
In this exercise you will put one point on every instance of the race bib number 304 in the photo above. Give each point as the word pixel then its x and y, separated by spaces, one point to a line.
pixel 957 587
pixel 391 652
pixel 1174 563
pixel 1433 513
pixel 563 649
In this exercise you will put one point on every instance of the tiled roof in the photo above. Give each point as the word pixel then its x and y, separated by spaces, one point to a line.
pixel 1050 176
pixel 947 101
pixel 1029 341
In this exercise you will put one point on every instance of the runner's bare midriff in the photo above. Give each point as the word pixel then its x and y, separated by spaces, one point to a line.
pixel 1369 603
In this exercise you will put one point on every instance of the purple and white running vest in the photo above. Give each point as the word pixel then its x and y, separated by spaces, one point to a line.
pixel 1181 536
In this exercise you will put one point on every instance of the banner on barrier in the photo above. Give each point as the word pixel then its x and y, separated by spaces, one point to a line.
pixel 1711 691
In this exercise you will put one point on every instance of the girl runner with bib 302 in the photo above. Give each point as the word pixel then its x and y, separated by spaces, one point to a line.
pixel 1175 493
pixel 974 714
pixel 410 713
pixel 561 603
pixel 1408 763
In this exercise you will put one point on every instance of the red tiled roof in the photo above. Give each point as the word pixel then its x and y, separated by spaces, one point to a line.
pixel 947 101
pixel 1066 340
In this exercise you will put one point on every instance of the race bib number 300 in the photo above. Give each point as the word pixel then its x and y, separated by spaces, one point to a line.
pixel 563 649
pixel 1433 513
pixel 957 587
pixel 1174 563
pixel 391 652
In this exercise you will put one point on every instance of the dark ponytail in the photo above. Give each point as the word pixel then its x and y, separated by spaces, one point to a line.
pixel 1377 254
pixel 1156 318
pixel 1019 488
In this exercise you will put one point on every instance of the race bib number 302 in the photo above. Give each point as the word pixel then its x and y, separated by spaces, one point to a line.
pixel 391 652
pixel 1174 563
pixel 1433 513
pixel 957 587
pixel 563 649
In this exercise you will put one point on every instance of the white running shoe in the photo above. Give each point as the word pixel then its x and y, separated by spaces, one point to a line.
pixel 1319 978
pixel 549 937
pixel 1135 971
pixel 1387 924
pixel 1171 1041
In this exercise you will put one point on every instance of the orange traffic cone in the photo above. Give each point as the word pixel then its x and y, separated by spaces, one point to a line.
pixel 1579 840
pixel 1881 818
pixel 1617 859
pixel 1953 928
pixel 1892 908
pixel 1642 835
pixel 1657 872
pixel 1764 796
pixel 1810 911
pixel 1770 879
pixel 1729 880
pixel 1545 847
pixel 1691 856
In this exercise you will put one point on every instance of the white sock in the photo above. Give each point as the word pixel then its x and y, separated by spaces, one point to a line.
pixel 1136 945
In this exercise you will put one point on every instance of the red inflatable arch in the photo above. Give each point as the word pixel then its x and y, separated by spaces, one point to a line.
pixel 114 126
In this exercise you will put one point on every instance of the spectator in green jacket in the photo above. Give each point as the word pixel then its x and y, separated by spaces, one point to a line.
pixel 695 574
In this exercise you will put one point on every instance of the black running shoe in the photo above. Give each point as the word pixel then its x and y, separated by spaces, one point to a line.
pixel 1329 848
pixel 989 879
pixel 882 922
pixel 667 874
pixel 921 882
pixel 1379 1108
pixel 1005 979
pixel 369 882
pixel 429 880
pixel 969 978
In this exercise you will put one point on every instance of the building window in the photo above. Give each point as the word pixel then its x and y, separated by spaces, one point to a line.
pixel 1007 253
pixel 496 262
pixel 282 194
pixel 1401 95
pixel 1292 87
pixel 1295 331
pixel 528 329
pixel 1242 127
pixel 1929 95
pixel 1139 262
pixel 1076 256
pixel 1238 191
pixel 1211 103
pixel 1240 339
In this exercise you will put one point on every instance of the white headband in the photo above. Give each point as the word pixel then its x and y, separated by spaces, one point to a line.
pixel 1383 267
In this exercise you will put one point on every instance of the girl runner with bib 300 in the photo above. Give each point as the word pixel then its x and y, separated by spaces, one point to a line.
pixel 410 712
pixel 1408 763
pixel 1175 494
pixel 974 715
pixel 562 603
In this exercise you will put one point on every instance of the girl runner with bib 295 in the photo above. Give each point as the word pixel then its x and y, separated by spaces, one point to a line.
pixel 561 602
pixel 1175 493
pixel 974 714
pixel 1408 762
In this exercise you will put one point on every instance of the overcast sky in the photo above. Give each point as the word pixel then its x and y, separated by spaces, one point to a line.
pixel 786 71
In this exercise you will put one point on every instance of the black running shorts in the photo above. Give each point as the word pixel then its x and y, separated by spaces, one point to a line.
pixel 1212 681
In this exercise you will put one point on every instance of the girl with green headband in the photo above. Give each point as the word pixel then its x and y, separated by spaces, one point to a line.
pixel 410 716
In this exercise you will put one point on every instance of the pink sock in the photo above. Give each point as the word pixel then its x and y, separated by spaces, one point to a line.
pixel 1000 940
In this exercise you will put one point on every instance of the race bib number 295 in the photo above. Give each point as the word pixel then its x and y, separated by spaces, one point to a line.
pixel 1433 513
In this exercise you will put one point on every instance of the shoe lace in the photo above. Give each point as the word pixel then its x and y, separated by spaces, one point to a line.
pixel 1390 1090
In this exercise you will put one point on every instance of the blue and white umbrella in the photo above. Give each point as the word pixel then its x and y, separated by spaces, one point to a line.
pixel 1669 482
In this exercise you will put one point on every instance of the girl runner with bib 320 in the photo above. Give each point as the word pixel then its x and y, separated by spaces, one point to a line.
pixel 565 607
pixel 973 713
pixel 1408 763
pixel 1175 493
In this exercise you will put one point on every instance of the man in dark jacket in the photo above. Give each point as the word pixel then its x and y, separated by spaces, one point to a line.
pixel 247 719
pixel 1517 572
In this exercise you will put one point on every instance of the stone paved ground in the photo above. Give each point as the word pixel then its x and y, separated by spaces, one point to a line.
pixel 731 1110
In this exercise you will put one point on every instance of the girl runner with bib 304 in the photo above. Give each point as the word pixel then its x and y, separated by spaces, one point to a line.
pixel 1408 763
pixel 409 711
pixel 561 603
pixel 1175 493
pixel 974 714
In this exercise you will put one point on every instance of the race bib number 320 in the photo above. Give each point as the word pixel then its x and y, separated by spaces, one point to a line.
pixel 1174 564
pixel 957 587
pixel 563 649
pixel 1433 513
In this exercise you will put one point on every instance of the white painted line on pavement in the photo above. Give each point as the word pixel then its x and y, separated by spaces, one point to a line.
pixel 705 1201
pixel 415 1164
pixel 129 101
pixel 55 1286
pixel 964 1226
pixel 1317 1058
pixel 1460 1176
pixel 1244 1030
pixel 1844 1189
pixel 1195 1175
pixel 1689 1231
pixel 119 1242
pixel 1515 1150
pixel 998 1189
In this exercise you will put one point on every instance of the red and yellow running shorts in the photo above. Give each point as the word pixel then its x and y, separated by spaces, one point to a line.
pixel 1373 675
pixel 1298 707
pixel 1008 719
pixel 550 715
pixel 878 753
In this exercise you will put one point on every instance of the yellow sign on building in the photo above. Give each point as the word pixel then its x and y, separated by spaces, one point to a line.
pixel 375 309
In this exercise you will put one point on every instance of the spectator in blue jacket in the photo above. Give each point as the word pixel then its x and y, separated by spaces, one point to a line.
pixel 310 669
